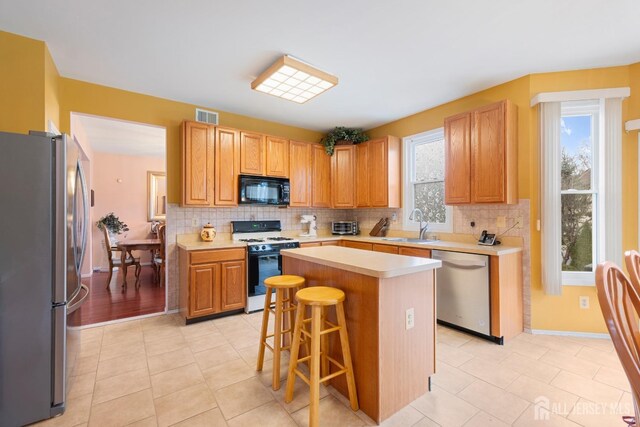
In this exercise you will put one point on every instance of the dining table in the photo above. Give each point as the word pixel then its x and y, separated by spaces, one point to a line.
pixel 129 245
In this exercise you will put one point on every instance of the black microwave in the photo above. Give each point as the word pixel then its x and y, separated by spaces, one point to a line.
pixel 260 190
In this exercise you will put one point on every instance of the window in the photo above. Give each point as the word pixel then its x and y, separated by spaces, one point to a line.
pixel 580 190
pixel 424 180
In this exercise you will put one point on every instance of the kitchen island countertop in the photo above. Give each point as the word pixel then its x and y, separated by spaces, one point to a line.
pixel 368 263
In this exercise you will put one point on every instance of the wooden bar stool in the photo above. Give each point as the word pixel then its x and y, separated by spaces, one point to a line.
pixel 319 298
pixel 285 287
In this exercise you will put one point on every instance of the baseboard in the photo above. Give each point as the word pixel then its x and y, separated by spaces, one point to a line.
pixel 127 319
pixel 571 334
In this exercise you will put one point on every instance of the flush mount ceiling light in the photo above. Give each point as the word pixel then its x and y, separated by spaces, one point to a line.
pixel 294 80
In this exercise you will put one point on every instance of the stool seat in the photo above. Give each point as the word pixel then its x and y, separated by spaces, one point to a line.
pixel 320 295
pixel 284 281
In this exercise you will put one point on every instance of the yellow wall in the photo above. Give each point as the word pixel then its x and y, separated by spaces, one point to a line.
pixel 549 312
pixel 51 79
pixel 562 312
pixel 82 97
pixel 21 83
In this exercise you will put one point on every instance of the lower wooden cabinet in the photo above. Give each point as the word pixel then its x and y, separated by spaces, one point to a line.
pixel 212 281
pixel 419 252
pixel 389 249
pixel 357 245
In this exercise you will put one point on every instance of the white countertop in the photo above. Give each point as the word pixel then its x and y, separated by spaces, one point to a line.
pixel 376 264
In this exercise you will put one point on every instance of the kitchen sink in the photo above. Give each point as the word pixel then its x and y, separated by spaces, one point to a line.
pixel 408 240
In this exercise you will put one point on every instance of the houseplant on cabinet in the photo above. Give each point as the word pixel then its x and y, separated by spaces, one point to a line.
pixel 341 135
pixel 113 225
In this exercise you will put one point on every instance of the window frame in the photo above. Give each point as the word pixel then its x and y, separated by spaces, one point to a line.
pixel 409 143
pixel 595 108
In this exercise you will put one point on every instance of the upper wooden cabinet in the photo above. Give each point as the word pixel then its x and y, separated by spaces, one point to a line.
pixel 481 155
pixel 252 153
pixel 457 136
pixel 197 164
pixel 378 176
pixel 300 173
pixel 277 157
pixel 227 166
pixel 362 176
pixel 320 177
pixel 343 176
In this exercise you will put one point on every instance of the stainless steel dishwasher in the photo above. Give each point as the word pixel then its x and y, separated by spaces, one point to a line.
pixel 463 299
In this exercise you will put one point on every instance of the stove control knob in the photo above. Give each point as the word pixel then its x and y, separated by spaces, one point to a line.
pixel 264 247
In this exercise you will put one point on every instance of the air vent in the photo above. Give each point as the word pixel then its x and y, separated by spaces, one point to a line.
pixel 205 116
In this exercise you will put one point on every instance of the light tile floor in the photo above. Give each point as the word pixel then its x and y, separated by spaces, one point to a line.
pixel 158 372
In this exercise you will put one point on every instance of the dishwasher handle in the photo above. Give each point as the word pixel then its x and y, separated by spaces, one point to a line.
pixel 467 265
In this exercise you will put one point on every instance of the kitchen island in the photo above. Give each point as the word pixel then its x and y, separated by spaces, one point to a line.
pixel 391 320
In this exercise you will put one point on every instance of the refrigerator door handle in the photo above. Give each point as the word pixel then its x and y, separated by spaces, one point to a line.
pixel 59 354
pixel 85 217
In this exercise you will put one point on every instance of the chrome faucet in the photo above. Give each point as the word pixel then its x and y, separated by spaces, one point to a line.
pixel 420 218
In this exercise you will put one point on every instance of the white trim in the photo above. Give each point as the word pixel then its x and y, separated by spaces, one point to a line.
pixel 52 128
pixel 632 125
pixel 408 143
pixel 611 172
pixel 128 319
pixel 571 334
pixel 579 95
pixel 578 278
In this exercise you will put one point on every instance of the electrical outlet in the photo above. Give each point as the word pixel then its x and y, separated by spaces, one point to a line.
pixel 501 222
pixel 410 320
pixel 584 302
pixel 519 221
pixel 394 216
pixel 194 222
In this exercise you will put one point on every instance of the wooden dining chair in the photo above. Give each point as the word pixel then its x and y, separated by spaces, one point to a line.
pixel 620 304
pixel 116 261
pixel 632 261
pixel 159 261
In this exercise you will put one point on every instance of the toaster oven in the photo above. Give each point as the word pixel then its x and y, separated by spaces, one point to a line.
pixel 345 227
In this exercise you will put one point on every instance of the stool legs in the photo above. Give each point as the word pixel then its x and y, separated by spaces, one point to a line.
pixel 277 341
pixel 318 356
pixel 314 384
pixel 295 349
pixel 346 354
pixel 263 331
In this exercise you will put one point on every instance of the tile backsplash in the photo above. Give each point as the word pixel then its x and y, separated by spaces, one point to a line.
pixel 181 221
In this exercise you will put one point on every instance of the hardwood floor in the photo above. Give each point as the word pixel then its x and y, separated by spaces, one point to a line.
pixel 114 303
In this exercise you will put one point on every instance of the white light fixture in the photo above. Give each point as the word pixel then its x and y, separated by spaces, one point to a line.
pixel 294 80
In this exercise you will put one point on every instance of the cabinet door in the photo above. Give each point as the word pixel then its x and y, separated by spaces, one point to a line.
pixel 232 285
pixel 423 253
pixel 357 245
pixel 227 166
pixel 379 176
pixel 457 152
pixel 488 155
pixel 277 157
pixel 320 177
pixel 202 289
pixel 197 164
pixel 252 153
pixel 363 172
pixel 310 244
pixel 343 177
pixel 389 249
pixel 300 173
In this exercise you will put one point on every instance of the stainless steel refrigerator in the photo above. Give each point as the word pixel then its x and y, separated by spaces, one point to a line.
pixel 43 232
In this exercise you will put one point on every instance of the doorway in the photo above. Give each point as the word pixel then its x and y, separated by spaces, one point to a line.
pixel 126 173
